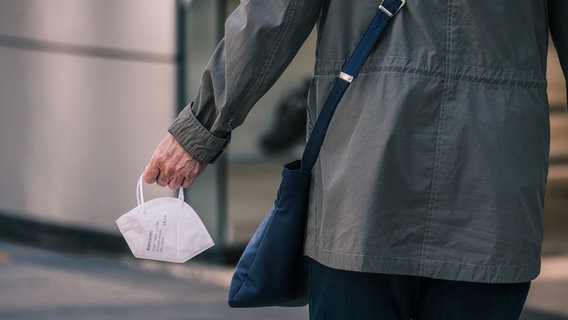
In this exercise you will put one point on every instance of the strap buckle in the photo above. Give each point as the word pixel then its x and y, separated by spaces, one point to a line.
pixel 389 12
pixel 346 77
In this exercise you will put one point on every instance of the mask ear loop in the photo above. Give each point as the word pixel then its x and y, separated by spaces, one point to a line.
pixel 140 193
pixel 181 197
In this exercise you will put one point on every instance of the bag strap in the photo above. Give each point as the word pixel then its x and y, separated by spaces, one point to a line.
pixel 387 10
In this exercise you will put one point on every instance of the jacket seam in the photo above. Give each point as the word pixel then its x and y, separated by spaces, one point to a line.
pixel 466 73
pixel 434 189
pixel 420 259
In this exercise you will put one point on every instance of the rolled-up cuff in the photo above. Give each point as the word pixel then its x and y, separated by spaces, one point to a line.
pixel 196 139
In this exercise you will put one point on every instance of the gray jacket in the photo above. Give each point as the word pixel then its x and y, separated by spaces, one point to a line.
pixel 436 160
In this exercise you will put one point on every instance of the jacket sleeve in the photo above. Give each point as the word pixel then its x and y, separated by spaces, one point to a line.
pixel 558 23
pixel 261 39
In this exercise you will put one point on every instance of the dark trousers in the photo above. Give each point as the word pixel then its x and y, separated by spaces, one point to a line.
pixel 338 294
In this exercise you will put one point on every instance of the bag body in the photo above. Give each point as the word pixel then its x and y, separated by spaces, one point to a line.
pixel 271 271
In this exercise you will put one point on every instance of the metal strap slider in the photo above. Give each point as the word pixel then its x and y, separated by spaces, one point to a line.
pixel 388 12
pixel 346 77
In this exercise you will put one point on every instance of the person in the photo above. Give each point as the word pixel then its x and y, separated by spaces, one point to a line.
pixel 427 197
pixel 288 127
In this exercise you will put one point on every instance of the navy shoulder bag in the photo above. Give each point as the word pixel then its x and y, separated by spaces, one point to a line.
pixel 271 270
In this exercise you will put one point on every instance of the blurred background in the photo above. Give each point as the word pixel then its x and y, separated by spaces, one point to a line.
pixel 88 89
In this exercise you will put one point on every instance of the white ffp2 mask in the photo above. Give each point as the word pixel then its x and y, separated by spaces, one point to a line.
pixel 165 229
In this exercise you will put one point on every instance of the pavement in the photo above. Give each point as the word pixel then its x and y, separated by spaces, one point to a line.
pixel 43 284
pixel 39 283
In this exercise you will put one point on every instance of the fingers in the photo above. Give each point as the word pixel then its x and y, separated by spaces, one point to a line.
pixel 163 178
pixel 186 183
pixel 176 182
pixel 172 166
pixel 183 176
pixel 151 173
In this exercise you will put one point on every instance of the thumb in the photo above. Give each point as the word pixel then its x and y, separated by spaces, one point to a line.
pixel 151 173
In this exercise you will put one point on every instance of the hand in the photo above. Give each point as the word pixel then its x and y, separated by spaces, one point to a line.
pixel 172 166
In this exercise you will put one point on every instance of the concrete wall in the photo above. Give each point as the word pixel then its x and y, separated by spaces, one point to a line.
pixel 87 90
